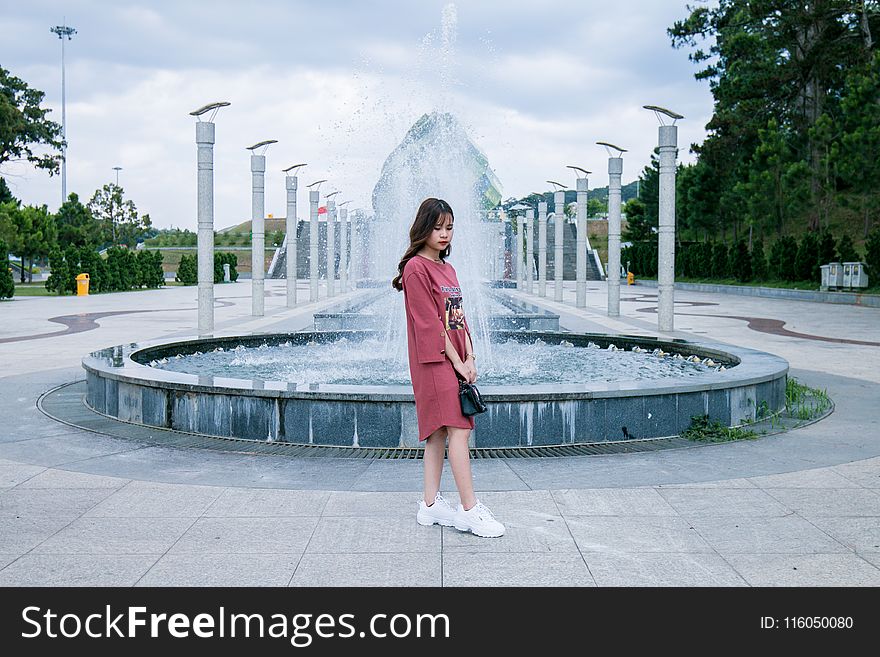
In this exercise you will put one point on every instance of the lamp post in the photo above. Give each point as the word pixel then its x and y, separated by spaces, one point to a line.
pixel 668 142
pixel 291 224
pixel 558 237
pixel 205 144
pixel 583 242
pixel 258 225
pixel 331 244
pixel 314 200
pixel 542 248
pixel 615 172
pixel 343 246
pixel 63 31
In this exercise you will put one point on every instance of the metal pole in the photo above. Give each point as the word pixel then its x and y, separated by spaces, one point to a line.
pixel 615 172
pixel 559 226
pixel 205 143
pixel 314 199
pixel 666 233
pixel 581 266
pixel 290 183
pixel 258 241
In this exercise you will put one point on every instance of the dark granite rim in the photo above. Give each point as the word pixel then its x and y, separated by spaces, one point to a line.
pixel 125 363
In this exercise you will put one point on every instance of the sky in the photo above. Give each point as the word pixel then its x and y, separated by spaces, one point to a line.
pixel 338 83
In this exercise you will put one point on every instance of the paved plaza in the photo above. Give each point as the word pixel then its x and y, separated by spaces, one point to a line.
pixel 800 508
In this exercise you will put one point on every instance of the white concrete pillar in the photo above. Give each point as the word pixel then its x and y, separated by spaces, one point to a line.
pixel 542 248
pixel 331 248
pixel 530 250
pixel 290 183
pixel 205 143
pixel 666 231
pixel 355 250
pixel 314 199
pixel 343 250
pixel 559 235
pixel 615 172
pixel 518 253
pixel 582 242
pixel 258 236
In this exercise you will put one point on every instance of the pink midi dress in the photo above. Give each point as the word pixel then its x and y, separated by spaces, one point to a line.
pixel 434 309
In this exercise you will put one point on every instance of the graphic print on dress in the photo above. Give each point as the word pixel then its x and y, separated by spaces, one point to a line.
pixel 454 313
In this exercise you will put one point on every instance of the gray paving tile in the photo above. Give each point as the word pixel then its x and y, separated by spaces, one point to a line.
pixel 871 557
pixel 397 504
pixel 369 569
pixel 737 482
pixel 612 502
pixel 221 570
pixel 785 534
pixel 661 569
pixel 247 536
pixel 635 534
pixel 55 479
pixel 865 473
pixel 140 499
pixel 7 559
pixel 352 535
pixel 861 534
pixel 515 569
pixel 805 569
pixel 116 536
pixel 524 532
pixel 76 570
pixel 18 535
pixel 13 474
pixel 691 503
pixel 817 478
pixel 58 450
pixel 839 502
pixel 41 502
pixel 262 503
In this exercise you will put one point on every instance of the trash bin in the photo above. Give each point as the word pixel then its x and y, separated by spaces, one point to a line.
pixel 835 275
pixel 858 277
pixel 630 278
pixel 823 285
pixel 82 285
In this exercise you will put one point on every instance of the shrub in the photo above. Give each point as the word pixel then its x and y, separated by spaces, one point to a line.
pixel 7 284
pixel 759 262
pixel 846 252
pixel 741 265
pixel 187 270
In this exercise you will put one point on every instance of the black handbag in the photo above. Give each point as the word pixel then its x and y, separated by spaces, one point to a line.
pixel 471 402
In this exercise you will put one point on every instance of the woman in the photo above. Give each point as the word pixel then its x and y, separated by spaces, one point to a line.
pixel 440 350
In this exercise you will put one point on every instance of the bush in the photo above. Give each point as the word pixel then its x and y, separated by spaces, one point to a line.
pixel 759 262
pixel 7 284
pixel 219 260
pixel 719 261
pixel 846 252
pixel 806 262
pixel 187 270
pixel 741 265
pixel 872 255
pixel 782 259
pixel 149 265
pixel 826 251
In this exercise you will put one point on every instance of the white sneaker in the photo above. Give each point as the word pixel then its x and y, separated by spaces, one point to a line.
pixel 439 513
pixel 478 520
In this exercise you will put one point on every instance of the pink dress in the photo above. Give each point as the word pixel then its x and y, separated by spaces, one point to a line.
pixel 433 301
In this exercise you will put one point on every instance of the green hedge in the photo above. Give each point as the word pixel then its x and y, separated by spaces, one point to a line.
pixel 788 260
pixel 7 284
pixel 123 269
pixel 188 269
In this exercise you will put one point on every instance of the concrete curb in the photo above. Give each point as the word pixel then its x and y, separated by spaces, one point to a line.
pixel 848 298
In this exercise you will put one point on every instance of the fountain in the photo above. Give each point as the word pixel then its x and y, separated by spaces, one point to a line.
pixel 346 383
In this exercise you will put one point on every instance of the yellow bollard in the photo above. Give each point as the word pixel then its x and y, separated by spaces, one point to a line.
pixel 630 278
pixel 82 285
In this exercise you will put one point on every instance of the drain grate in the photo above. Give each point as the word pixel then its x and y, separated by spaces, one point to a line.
pixel 66 404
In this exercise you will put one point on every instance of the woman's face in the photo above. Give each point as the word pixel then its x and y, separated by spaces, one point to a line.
pixel 441 236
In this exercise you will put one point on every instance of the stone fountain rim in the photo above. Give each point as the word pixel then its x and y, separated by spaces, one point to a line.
pixel 753 367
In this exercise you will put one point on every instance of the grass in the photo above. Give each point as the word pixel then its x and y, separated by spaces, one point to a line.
pixel 802 404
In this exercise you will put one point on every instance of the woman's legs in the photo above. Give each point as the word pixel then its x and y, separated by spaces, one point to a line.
pixel 460 461
pixel 435 446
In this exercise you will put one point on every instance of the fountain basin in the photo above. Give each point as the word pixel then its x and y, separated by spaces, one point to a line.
pixel 121 386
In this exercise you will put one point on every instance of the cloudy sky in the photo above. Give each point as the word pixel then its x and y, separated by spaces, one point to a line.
pixel 338 83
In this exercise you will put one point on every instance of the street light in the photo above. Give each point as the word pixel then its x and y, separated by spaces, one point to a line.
pixel 112 208
pixel 63 31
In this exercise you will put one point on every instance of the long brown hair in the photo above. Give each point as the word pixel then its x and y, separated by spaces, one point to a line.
pixel 427 215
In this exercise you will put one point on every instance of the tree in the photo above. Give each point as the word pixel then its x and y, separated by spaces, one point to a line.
pixel 7 285
pixel 76 225
pixel 846 252
pixel 30 232
pixel 187 271
pixel 5 194
pixel 638 228
pixel 759 262
pixel 23 125
pixel 872 254
pixel 741 262
pixel 118 217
